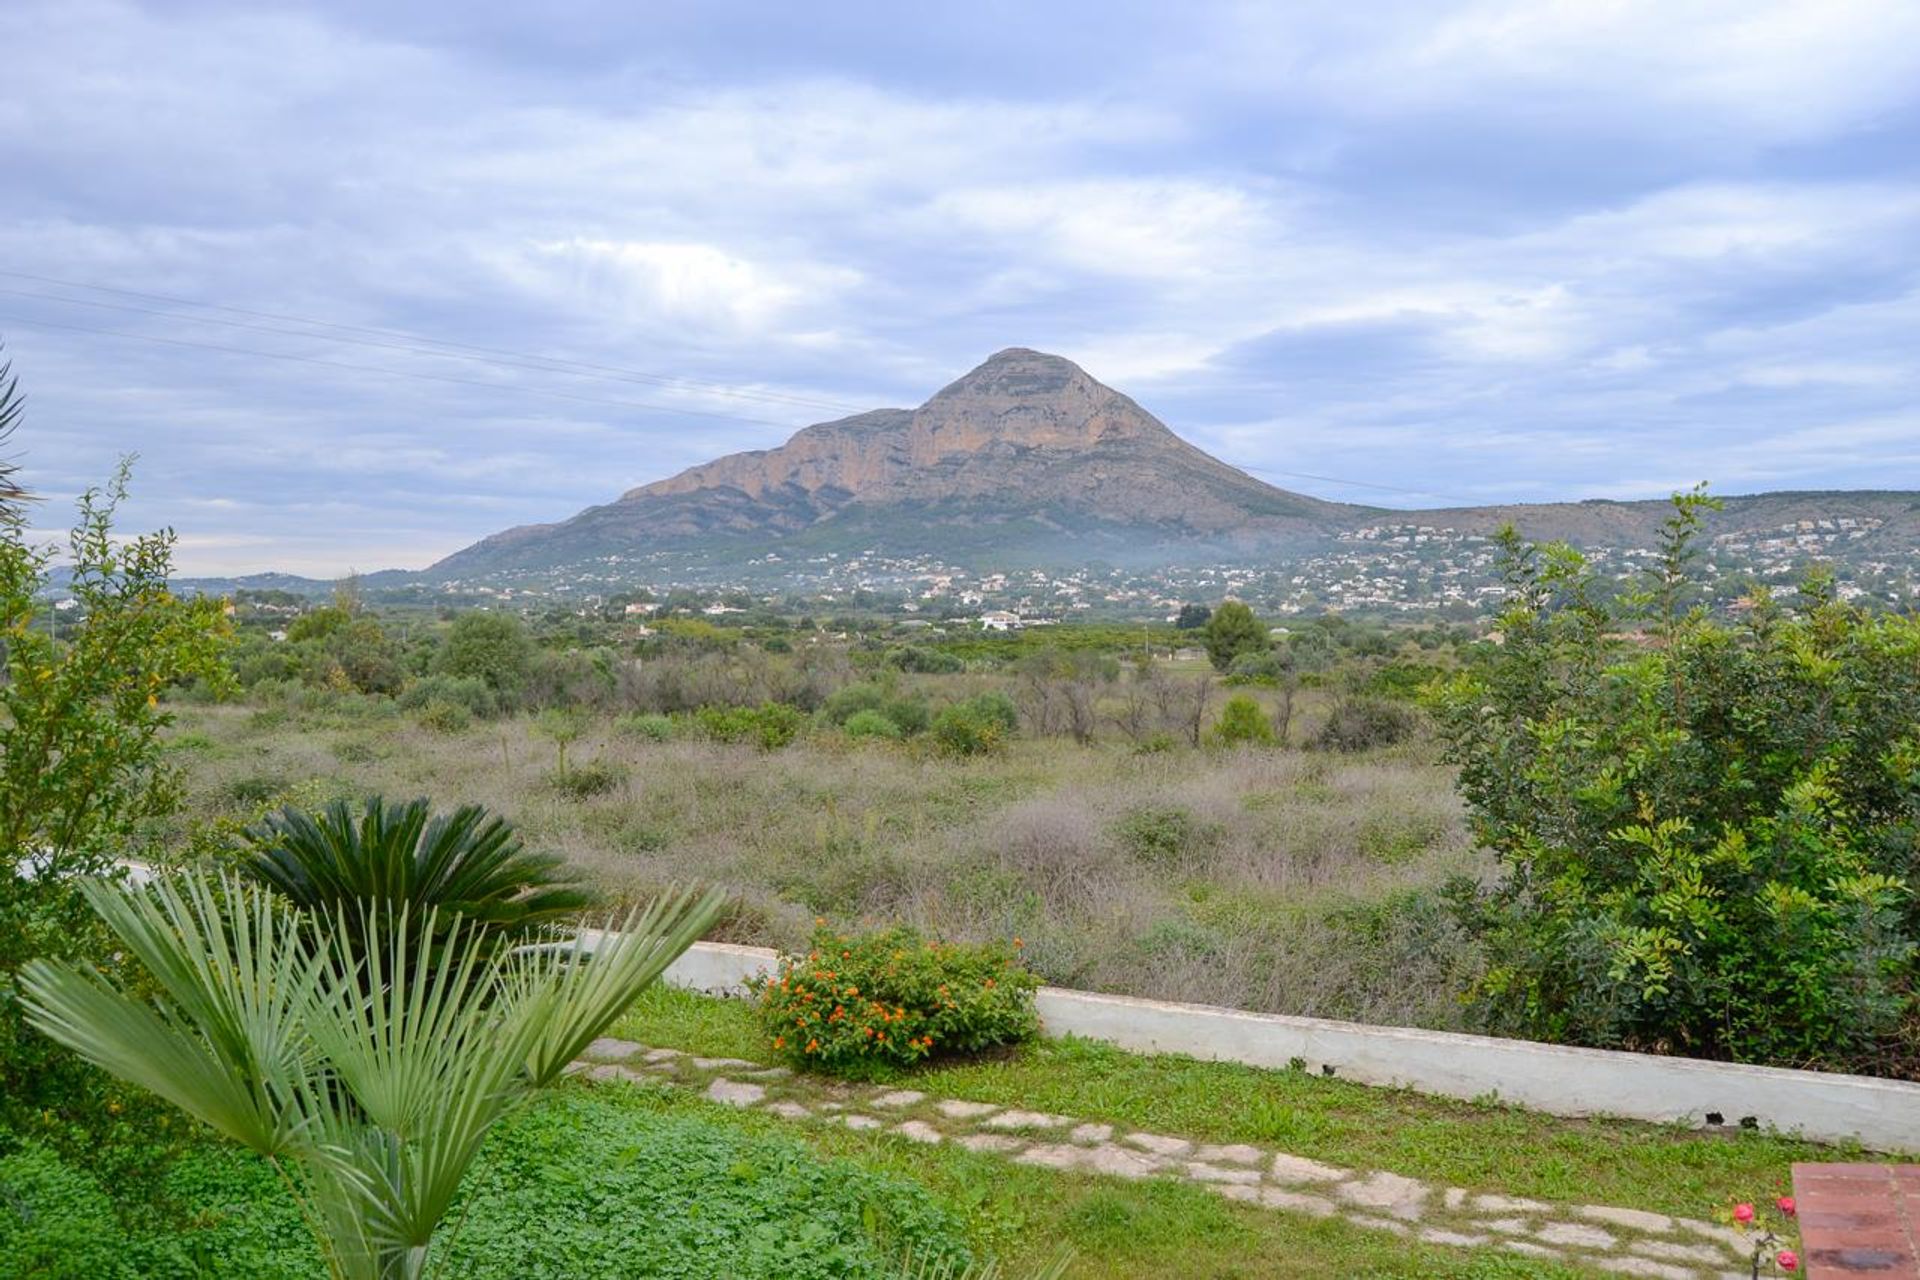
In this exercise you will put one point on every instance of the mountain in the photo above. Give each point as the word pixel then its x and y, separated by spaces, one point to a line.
pixel 1026 459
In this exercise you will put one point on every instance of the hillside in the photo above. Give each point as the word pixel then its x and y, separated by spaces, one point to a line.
pixel 1026 458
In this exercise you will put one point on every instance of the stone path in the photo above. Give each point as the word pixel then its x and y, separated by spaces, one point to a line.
pixel 1624 1241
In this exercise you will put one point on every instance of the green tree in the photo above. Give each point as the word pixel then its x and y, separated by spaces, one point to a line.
pixel 367 1075
pixel 1242 723
pixel 82 774
pixel 488 646
pixel 1232 631
pixel 1708 830
pixel 1192 617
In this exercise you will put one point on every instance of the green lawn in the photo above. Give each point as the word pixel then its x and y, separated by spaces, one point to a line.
pixel 1480 1147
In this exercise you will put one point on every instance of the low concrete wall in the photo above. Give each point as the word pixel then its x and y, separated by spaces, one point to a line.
pixel 1883 1115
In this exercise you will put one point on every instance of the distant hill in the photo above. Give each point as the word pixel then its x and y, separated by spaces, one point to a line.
pixel 1026 459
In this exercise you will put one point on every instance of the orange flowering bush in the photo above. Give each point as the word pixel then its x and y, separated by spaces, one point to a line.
pixel 894 997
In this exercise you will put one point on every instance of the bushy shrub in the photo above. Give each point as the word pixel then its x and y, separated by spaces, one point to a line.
pixel 490 647
pixel 924 661
pixel 1262 666
pixel 769 726
pixel 584 781
pixel 445 717
pixel 1362 724
pixel 978 726
pixel 1164 835
pixel 647 726
pixel 1708 837
pixel 470 693
pixel 844 704
pixel 893 997
pixel 908 715
pixel 871 724
pixel 1243 723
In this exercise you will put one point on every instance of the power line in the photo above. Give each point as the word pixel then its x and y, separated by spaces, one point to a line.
pixel 391 373
pixel 453 350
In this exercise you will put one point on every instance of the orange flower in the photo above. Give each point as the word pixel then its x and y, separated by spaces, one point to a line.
pixel 813 1046
pixel 779 1042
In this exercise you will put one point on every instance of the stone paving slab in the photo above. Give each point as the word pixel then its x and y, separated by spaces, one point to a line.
pixel 1616 1239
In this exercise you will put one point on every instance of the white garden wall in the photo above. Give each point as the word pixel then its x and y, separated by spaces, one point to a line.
pixel 1883 1115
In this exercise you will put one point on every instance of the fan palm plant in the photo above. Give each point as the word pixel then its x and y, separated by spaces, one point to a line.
pixel 366 1073
pixel 466 869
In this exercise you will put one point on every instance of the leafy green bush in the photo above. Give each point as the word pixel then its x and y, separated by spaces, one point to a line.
pixel 1708 834
pixel 470 693
pixel 584 781
pixel 1363 724
pixel 769 726
pixel 965 730
pixel 1164 835
pixel 84 778
pixel 1243 723
pixel 445 717
pixel 871 724
pixel 891 997
pixel 647 726
pixel 924 661
pixel 490 647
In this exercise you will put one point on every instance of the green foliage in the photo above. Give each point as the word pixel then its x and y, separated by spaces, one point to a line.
pixel 1243 723
pixel 467 866
pixel 891 997
pixel 1709 829
pixel 1260 666
pixel 978 726
pixel 769 726
pixel 647 727
pixel 1232 631
pixel 491 647
pixel 1363 724
pixel 1167 836
pixel 1192 617
pixel 924 661
pixel 55 1221
pixel 445 717
pixel 376 1074
pixel 470 693
pixel 909 716
pixel 563 726
pixel 603 1182
pixel 84 778
pixel 584 781
pixel 871 724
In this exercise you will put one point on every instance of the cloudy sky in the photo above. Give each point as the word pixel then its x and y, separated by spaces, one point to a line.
pixel 361 282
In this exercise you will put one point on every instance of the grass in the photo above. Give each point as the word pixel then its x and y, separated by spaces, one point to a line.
pixel 1230 878
pixel 1479 1146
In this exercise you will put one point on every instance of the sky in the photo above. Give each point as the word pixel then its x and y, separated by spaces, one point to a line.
pixel 360 283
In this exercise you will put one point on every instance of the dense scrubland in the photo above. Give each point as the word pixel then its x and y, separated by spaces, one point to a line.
pixel 1298 881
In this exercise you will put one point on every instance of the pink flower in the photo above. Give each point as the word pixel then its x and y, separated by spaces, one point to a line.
pixel 1743 1213
pixel 1788 1260
pixel 1786 1205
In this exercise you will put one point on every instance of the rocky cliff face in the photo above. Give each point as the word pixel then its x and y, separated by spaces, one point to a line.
pixel 1027 441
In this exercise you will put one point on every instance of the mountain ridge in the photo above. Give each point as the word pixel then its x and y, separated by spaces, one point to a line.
pixel 1029 460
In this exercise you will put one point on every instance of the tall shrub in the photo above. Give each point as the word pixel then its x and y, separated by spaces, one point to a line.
pixel 82 774
pixel 1707 829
